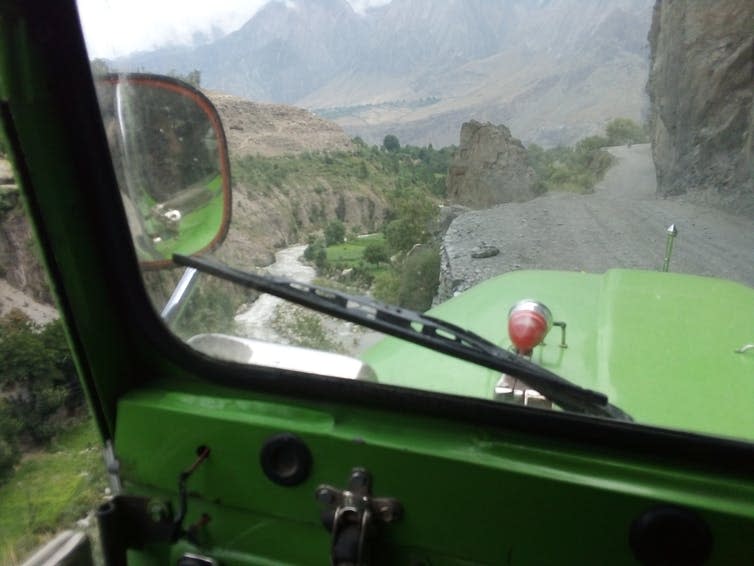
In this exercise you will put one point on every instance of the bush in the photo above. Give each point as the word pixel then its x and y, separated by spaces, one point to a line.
pixel 413 212
pixel 9 456
pixel 38 374
pixel 391 143
pixel 591 143
pixel 376 252
pixel 335 233
pixel 9 452
pixel 575 169
pixel 387 286
pixel 317 254
pixel 419 279
pixel 624 131
pixel 211 307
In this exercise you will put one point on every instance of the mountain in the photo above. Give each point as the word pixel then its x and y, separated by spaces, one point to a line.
pixel 552 70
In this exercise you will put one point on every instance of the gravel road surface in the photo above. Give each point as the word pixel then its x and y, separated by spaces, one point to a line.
pixel 623 224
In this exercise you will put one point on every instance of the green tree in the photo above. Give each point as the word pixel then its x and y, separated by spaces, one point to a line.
pixel 391 143
pixel 335 232
pixel 401 234
pixel 413 212
pixel 420 277
pixel 624 131
pixel 194 78
pixel 37 374
pixel 315 252
pixel 387 286
pixel 9 451
pixel 363 172
pixel 376 252
pixel 591 143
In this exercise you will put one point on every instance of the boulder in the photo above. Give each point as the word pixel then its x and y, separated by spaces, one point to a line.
pixel 490 167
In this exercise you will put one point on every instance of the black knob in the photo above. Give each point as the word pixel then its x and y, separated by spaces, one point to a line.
pixel 670 536
pixel 286 459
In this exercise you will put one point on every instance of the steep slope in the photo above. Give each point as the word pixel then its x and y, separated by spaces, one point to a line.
pixel 253 128
pixel 554 71
pixel 285 51
pixel 702 91
pixel 23 283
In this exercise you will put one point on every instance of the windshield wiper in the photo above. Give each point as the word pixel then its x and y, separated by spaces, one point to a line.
pixel 418 328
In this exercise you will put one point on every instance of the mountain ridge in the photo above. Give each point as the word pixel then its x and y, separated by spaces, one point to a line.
pixel 392 68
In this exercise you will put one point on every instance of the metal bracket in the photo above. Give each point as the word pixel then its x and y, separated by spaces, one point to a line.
pixel 352 516
pixel 131 522
pixel 562 326
pixel 112 465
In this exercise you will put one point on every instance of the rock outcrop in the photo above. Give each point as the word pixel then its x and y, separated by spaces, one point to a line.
pixel 23 282
pixel 490 167
pixel 701 85
pixel 269 130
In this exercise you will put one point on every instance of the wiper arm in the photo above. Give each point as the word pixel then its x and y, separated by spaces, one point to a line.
pixel 420 329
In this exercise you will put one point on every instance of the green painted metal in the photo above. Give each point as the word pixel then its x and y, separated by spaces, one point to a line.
pixel 660 345
pixel 470 493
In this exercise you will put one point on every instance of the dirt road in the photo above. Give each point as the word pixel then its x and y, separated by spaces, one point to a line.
pixel 623 224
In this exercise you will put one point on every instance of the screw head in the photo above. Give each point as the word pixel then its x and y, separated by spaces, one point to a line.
pixel 158 511
pixel 325 496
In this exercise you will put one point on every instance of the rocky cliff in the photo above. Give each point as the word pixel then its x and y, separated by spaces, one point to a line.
pixel 19 263
pixel 264 218
pixel 271 217
pixel 254 128
pixel 490 167
pixel 701 85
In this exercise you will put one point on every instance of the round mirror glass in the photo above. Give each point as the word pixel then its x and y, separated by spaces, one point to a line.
pixel 170 158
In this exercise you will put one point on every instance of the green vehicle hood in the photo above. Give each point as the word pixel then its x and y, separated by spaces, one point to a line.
pixel 660 345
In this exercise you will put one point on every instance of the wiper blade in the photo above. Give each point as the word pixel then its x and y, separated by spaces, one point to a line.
pixel 420 329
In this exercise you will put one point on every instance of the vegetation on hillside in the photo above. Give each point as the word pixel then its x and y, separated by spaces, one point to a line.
pixel 39 386
pixel 579 168
pixel 374 167
pixel 51 489
pixel 412 180
pixel 51 470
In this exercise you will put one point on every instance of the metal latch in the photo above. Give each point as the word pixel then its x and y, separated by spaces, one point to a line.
pixel 353 517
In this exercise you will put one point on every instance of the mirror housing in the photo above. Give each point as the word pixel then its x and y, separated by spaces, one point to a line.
pixel 171 161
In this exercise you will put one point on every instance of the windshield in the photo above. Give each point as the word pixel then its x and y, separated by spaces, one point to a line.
pixel 570 181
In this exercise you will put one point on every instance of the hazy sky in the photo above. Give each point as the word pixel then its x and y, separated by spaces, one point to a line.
pixel 117 27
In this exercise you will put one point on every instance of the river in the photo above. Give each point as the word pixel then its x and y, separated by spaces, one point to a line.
pixel 257 321
pixel 274 320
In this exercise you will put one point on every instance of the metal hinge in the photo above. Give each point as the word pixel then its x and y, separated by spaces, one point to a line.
pixel 353 516
pixel 112 465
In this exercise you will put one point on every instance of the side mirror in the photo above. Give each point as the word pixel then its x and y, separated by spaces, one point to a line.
pixel 171 161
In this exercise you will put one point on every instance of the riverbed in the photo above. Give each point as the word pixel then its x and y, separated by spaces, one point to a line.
pixel 275 320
